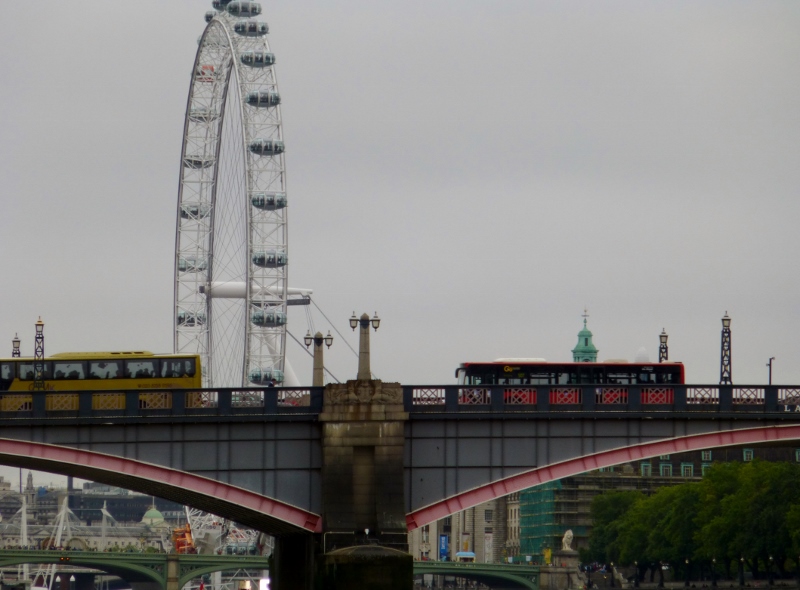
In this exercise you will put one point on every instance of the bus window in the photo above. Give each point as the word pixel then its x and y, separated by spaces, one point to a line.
pixel 6 375
pixel 619 378
pixel 68 370
pixel 26 371
pixel 666 378
pixel 140 369
pixel 104 370
pixel 177 368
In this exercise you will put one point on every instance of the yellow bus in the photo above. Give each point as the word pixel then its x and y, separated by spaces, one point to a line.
pixel 103 371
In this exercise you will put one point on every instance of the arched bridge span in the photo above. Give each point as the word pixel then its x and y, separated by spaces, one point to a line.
pixel 139 567
pixel 764 435
pixel 495 575
pixel 243 506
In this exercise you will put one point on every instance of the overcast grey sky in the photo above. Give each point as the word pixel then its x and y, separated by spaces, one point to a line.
pixel 477 172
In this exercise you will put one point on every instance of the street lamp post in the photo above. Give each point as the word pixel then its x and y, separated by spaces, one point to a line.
pixel 770 578
pixel 686 582
pixel 741 571
pixel 713 572
pixel 15 347
pixel 725 352
pixel 612 574
pixel 364 373
pixel 38 356
pixel 635 574
pixel 769 364
pixel 663 351
pixel 797 570
pixel 319 368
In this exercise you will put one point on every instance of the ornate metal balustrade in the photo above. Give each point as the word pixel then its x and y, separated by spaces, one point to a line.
pixel 656 399
pixel 306 402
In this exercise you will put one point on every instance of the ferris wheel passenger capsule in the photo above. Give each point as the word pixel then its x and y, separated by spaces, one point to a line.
pixel 270 259
pixel 201 115
pixel 244 8
pixel 189 319
pixel 191 264
pixel 195 211
pixel 257 59
pixel 266 147
pixel 197 162
pixel 268 319
pixel 251 28
pixel 268 201
pixel 220 4
pixel 265 376
pixel 263 98
pixel 210 16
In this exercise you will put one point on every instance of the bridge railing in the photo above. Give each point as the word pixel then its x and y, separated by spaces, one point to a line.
pixel 601 398
pixel 177 402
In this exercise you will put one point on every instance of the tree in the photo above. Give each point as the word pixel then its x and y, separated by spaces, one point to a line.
pixel 607 515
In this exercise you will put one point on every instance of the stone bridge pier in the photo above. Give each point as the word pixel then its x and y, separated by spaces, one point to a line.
pixel 364 543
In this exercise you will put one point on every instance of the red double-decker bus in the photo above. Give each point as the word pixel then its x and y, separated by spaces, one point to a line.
pixel 519 371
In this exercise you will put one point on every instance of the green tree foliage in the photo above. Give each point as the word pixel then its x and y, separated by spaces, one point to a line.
pixel 607 514
pixel 738 509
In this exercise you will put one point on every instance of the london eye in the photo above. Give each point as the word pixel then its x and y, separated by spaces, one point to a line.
pixel 231 247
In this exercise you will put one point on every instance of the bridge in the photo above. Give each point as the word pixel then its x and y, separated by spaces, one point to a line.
pixel 494 575
pixel 372 455
pixel 143 570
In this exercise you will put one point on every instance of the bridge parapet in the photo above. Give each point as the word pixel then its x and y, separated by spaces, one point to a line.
pixel 463 400
pixel 284 402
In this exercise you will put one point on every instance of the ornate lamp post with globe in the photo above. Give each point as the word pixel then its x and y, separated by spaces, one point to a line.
pixel 319 368
pixel 364 373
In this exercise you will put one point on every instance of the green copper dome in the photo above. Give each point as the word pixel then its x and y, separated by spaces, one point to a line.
pixel 585 351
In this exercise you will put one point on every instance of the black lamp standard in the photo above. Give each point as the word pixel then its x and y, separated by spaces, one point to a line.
pixel 686 582
pixel 636 574
pixel 15 347
pixel 713 572
pixel 741 571
pixel 797 570
pixel 725 352
pixel 663 351
pixel 769 364
pixel 770 578
pixel 612 574
pixel 38 355
pixel 319 367
pixel 364 372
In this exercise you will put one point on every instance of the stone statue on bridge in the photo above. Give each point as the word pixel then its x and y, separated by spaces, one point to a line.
pixel 566 542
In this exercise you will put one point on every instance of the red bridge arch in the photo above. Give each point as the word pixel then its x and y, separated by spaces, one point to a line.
pixel 527 479
pixel 243 506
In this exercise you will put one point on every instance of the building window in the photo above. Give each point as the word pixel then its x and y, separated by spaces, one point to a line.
pixel 797 455
pixel 487 515
pixel 426 531
pixel 705 467
pixel 706 455
pixel 687 470
pixel 747 455
pixel 647 469
pixel 664 457
pixel 665 470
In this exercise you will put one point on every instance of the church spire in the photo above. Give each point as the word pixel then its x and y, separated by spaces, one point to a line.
pixel 585 351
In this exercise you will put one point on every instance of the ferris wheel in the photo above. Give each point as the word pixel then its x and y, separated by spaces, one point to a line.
pixel 231 247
